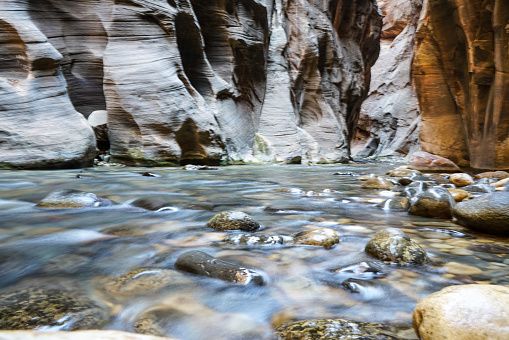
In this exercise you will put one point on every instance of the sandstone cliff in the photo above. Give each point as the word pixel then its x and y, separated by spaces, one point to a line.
pixel 390 117
pixel 203 81
pixel 461 70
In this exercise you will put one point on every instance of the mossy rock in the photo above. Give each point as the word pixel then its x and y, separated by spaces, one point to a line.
pixel 71 199
pixel 393 246
pixel 325 329
pixel 36 308
pixel 233 220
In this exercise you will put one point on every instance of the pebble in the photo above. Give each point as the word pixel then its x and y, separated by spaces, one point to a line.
pixel 458 268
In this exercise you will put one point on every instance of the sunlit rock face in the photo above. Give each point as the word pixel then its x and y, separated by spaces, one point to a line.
pixel 184 81
pixel 390 118
pixel 461 70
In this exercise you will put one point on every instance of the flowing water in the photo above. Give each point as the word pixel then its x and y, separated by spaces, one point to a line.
pixel 88 247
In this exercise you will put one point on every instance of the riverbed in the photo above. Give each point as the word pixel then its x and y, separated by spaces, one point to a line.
pixel 88 248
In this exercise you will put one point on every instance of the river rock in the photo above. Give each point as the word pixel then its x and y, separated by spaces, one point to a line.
pixel 77 335
pixel 362 270
pixel 403 172
pixel 378 183
pixel 396 203
pixel 479 188
pixel 465 312
pixel 393 246
pixel 488 213
pixel 434 202
pixel 325 237
pixel 50 309
pixel 70 198
pixel 325 329
pixel 233 220
pixel 501 183
pixel 458 194
pixel 152 203
pixel 144 281
pixel 461 179
pixel 200 263
pixel 427 162
pixel 493 174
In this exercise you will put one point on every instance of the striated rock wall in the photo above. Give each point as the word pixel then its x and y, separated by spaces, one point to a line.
pixel 184 81
pixel 390 117
pixel 461 70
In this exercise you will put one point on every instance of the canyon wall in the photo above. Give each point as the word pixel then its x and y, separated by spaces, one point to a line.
pixel 390 117
pixel 461 71
pixel 183 81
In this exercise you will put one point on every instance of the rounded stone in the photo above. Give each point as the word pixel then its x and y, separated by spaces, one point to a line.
pixel 488 213
pixel 70 198
pixel 317 237
pixel 233 220
pixel 458 194
pixel 402 172
pixel 393 246
pixel 464 312
pixel 396 203
pixel 461 179
pixel 325 329
pixel 378 183
pixel 434 202
pixel 55 309
pixel 145 281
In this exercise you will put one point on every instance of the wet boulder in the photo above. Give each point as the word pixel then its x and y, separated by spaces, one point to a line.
pixel 70 198
pixel 56 309
pixel 493 174
pixel 233 220
pixel 393 246
pixel 362 270
pixel 200 263
pixel 461 179
pixel 464 312
pixel 325 329
pixel 324 237
pixel 153 203
pixel 403 172
pixel 480 188
pixel 427 162
pixel 488 213
pixel 434 202
pixel 378 183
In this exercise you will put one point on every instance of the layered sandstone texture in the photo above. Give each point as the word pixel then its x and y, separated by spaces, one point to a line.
pixel 461 70
pixel 183 81
pixel 390 118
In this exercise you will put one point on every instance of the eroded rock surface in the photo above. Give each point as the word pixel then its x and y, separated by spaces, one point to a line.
pixel 185 81
pixel 390 117
pixel 461 71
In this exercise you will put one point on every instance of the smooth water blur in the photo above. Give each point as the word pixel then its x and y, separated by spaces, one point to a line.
pixel 89 244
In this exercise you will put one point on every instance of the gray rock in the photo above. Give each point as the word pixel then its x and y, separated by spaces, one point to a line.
pixel 38 308
pixel 325 329
pixel 479 188
pixel 254 240
pixel 183 81
pixel 233 220
pixel 393 246
pixel 434 202
pixel 200 263
pixel 70 198
pixel 488 213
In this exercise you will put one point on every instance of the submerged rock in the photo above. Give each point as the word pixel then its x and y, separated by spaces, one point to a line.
pixel 70 198
pixel 434 202
pixel 200 263
pixel 317 237
pixel 325 329
pixel 393 246
pixel 362 270
pixel 144 281
pixel 233 220
pixel 396 203
pixel 488 213
pixel 465 312
pixel 49 309
pixel 152 203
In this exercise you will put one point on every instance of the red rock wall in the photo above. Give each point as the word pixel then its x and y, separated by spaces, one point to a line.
pixel 461 71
